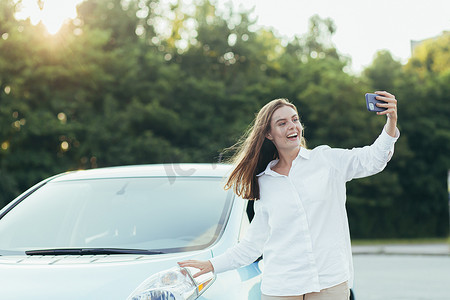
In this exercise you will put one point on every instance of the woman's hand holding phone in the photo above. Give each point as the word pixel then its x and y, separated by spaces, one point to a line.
pixel 384 103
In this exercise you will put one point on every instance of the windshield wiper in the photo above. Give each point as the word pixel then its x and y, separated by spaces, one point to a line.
pixel 91 251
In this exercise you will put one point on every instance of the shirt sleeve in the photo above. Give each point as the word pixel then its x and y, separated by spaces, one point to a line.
pixel 249 249
pixel 363 161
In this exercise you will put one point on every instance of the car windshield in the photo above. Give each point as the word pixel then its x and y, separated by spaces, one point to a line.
pixel 166 214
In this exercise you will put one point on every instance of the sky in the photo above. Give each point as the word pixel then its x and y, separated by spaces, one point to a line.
pixel 363 26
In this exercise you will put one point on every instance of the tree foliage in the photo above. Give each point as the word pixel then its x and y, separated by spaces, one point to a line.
pixel 144 81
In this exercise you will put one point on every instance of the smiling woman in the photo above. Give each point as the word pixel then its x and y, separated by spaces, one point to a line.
pixel 51 13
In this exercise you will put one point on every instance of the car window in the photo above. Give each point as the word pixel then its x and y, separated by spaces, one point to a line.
pixel 181 214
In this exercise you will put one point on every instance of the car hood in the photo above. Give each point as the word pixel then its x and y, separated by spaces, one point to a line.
pixel 82 277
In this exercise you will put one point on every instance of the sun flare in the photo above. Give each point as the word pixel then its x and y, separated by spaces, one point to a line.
pixel 52 13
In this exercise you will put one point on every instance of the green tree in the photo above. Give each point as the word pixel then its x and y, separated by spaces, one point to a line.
pixel 420 164
pixel 384 72
pixel 431 56
pixel 116 87
pixel 425 88
pixel 16 62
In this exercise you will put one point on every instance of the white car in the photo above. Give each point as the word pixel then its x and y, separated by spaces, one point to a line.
pixel 118 233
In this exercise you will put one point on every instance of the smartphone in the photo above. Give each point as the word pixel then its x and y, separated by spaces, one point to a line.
pixel 371 101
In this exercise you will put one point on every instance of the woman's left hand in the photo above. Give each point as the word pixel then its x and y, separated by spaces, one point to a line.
pixel 391 110
pixel 204 266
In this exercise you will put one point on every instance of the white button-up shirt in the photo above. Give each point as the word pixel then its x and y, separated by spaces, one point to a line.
pixel 300 224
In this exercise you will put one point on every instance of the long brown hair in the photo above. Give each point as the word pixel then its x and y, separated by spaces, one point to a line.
pixel 254 151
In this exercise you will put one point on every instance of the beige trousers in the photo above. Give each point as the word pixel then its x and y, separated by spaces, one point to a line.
pixel 338 292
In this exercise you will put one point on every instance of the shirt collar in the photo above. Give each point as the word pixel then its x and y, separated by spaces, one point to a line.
pixel 303 153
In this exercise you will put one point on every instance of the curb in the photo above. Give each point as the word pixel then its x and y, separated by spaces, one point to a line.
pixel 403 249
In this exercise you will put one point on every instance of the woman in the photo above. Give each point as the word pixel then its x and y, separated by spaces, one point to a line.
pixel 300 224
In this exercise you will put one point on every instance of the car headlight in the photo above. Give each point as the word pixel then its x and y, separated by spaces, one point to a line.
pixel 173 284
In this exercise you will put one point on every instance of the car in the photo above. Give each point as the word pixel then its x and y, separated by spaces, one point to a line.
pixel 118 233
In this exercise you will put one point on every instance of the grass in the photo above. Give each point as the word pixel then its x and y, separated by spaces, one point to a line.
pixel 417 241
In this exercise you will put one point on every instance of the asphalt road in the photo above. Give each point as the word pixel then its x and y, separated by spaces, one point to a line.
pixel 406 276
